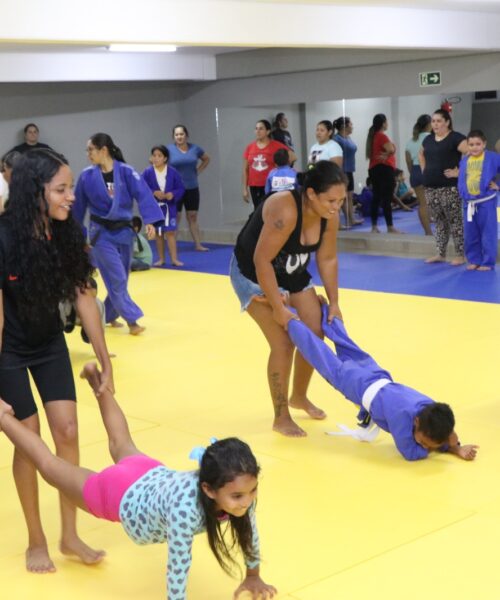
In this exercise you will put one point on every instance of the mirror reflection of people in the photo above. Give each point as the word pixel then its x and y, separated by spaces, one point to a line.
pixel 325 148
pixel 31 142
pixel 258 161
pixel 344 127
pixel 280 131
pixel 440 155
pixel 381 152
pixel 421 130
pixel 270 261
pixel 6 165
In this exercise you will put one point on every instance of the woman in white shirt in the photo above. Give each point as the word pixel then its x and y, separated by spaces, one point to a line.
pixel 325 148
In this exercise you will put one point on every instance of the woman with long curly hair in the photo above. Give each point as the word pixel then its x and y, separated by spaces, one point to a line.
pixel 42 263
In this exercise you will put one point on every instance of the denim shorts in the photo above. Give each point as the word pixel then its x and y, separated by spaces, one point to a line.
pixel 245 288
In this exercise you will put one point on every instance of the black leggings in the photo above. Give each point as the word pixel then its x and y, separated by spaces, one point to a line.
pixel 258 195
pixel 383 182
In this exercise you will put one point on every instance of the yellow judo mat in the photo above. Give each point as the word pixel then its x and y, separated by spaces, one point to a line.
pixel 338 519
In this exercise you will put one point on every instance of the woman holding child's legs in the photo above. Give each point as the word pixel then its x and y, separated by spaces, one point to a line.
pixel 43 252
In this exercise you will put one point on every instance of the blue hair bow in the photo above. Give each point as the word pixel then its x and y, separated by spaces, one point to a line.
pixel 198 451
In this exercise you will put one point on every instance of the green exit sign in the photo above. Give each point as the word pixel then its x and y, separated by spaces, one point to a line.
pixel 429 78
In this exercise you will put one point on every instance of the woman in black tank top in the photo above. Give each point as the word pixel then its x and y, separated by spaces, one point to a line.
pixel 269 268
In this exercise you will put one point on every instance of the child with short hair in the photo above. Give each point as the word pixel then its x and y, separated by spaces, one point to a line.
pixel 283 178
pixel 478 189
pixel 156 504
pixel 142 257
pixel 417 423
pixel 404 197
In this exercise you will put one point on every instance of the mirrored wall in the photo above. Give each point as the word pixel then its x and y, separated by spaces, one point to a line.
pixel 236 130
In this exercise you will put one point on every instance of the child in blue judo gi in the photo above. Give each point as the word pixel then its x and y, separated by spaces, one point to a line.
pixel 478 189
pixel 418 424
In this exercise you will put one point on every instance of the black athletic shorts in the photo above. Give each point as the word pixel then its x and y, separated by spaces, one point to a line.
pixel 190 200
pixel 53 379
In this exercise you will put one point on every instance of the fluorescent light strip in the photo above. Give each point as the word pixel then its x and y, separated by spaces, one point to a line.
pixel 142 48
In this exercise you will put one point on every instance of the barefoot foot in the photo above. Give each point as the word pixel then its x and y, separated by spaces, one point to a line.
pixel 158 263
pixel 375 229
pixel 91 373
pixel 434 259
pixel 177 263
pixel 201 249
pixel 135 328
pixel 76 547
pixel 115 323
pixel 472 267
pixel 313 411
pixel 394 230
pixel 286 426
pixel 456 262
pixel 38 560
pixel 484 268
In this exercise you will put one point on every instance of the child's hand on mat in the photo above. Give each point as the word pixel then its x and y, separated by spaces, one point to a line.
pixel 467 452
pixel 256 587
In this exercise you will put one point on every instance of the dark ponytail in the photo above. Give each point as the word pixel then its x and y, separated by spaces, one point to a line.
pixel 322 176
pixel 378 122
pixel 422 122
pixel 101 140
pixel 221 463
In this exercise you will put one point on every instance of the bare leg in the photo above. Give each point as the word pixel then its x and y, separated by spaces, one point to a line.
pixel 25 477
pixel 160 248
pixel 423 213
pixel 172 248
pixel 279 367
pixel 309 309
pixel 67 478
pixel 192 217
pixel 62 419
pixel 115 423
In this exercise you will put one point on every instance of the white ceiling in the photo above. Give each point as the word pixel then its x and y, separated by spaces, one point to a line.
pixel 57 40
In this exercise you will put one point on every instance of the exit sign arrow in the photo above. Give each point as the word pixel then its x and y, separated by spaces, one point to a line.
pixel 429 78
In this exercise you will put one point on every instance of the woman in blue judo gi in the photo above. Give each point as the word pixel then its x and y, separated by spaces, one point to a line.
pixel 418 424
pixel 107 190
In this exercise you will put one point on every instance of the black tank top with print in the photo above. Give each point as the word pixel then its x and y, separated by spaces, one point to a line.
pixel 290 265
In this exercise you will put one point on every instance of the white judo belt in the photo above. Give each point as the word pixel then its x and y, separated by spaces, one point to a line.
pixel 370 433
pixel 167 213
pixel 471 205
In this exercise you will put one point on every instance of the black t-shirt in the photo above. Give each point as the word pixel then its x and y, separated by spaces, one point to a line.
pixel 109 180
pixel 290 265
pixel 283 136
pixel 23 342
pixel 22 148
pixel 440 156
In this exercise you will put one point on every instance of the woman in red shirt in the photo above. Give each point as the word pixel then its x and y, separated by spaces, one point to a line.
pixel 381 153
pixel 258 160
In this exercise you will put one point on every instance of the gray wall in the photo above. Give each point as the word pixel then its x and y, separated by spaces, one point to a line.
pixel 135 115
pixel 139 115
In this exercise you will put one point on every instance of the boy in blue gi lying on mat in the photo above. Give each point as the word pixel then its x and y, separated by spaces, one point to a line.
pixel 418 424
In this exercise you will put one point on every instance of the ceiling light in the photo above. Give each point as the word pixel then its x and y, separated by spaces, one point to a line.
pixel 142 48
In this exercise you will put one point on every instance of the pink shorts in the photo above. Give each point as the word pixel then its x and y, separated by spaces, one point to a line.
pixel 103 491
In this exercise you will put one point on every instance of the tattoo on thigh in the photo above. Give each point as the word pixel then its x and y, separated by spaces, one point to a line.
pixel 279 398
